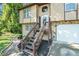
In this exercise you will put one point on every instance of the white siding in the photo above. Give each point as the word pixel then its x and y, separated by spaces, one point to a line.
pixel 21 15
pixel 33 15
pixel 70 15
pixel 24 30
pixel 57 11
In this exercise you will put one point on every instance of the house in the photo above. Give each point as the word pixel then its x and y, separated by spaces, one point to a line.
pixel 47 15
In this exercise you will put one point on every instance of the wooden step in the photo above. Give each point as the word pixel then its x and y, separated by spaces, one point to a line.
pixel 29 47
pixel 33 37
pixel 37 30
pixel 30 43
pixel 28 51
pixel 31 40
pixel 36 34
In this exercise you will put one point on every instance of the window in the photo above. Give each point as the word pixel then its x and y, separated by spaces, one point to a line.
pixel 70 11
pixel 70 6
pixel 0 8
pixel 27 13
pixel 28 27
pixel 45 9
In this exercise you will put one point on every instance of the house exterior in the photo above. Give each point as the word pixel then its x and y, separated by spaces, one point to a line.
pixel 58 13
pixel 51 15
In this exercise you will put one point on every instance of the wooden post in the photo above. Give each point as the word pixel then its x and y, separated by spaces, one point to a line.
pixel 49 32
pixel 34 49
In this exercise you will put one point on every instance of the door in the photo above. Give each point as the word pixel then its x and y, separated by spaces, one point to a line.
pixel 44 14
pixel 44 20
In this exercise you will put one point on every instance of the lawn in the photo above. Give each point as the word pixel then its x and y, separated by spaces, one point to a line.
pixel 5 40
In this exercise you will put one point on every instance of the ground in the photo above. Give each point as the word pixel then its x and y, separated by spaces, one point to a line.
pixel 5 40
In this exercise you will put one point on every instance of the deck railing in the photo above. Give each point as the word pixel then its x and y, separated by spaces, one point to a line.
pixel 27 37
pixel 38 40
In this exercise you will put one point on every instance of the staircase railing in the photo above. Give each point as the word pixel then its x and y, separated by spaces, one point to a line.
pixel 27 37
pixel 38 40
pixel 34 28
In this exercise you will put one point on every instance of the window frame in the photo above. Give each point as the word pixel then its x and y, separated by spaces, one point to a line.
pixel 75 10
pixel 27 13
pixel 45 9
pixel 70 9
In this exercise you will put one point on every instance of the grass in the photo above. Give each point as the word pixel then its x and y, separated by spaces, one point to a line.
pixel 5 40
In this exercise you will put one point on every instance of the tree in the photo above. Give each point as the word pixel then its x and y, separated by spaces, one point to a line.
pixel 10 17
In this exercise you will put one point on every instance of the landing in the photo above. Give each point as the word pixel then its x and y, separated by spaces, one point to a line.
pixel 44 48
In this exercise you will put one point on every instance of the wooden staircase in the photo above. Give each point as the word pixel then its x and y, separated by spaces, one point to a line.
pixel 32 41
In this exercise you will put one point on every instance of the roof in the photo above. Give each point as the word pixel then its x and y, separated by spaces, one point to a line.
pixel 25 6
pixel 30 4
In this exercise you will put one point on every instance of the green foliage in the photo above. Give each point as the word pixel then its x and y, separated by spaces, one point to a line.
pixel 1 25
pixel 10 18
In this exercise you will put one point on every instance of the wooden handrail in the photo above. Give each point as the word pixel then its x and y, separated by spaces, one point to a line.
pixel 31 30
pixel 27 36
pixel 38 35
pixel 50 27
pixel 36 40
